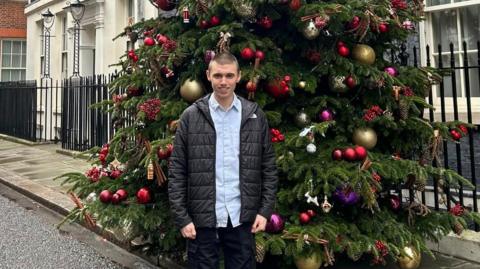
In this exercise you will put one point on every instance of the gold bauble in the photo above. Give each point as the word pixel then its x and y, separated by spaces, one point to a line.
pixel 337 84
pixel 366 137
pixel 310 31
pixel 412 259
pixel 191 90
pixel 364 54
pixel 311 262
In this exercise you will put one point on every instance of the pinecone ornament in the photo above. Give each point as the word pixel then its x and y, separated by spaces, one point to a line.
pixel 403 106
pixel 260 252
pixel 458 228
pixel 419 186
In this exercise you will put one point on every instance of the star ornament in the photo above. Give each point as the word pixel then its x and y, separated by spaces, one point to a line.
pixel 311 199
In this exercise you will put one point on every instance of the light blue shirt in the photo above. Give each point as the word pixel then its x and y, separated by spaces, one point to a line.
pixel 227 162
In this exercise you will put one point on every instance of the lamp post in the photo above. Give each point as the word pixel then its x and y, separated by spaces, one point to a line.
pixel 48 19
pixel 77 10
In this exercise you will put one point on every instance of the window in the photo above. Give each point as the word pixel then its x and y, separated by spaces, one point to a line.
pixel 455 22
pixel 13 60
pixel 64 66
pixel 64 34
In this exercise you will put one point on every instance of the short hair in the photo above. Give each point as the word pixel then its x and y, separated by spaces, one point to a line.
pixel 224 58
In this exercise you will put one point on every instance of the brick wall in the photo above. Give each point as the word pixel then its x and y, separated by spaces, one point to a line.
pixel 13 22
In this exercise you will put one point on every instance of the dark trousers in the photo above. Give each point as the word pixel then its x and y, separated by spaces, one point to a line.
pixel 238 246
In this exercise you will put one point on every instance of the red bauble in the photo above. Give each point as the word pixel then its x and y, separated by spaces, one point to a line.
pixel 304 218
pixel 281 137
pixel 265 22
pixel 162 153
pixel 463 128
pixel 143 196
pixel 311 213
pixel 274 139
pixel 135 58
pixel 354 23
pixel 105 196
pixel 169 149
pixel 116 199
pixel 350 82
pixel 394 202
pixel 204 24
pixel 276 89
pixel 165 5
pixel 162 38
pixel 148 41
pixel 349 154
pixel 295 4
pixel 337 155
pixel 247 53
pixel 343 51
pixel 287 78
pixel 131 53
pixel 383 27
pixel 260 55
pixel 361 153
pixel 456 135
pixel 122 194
pixel 251 86
pixel 214 21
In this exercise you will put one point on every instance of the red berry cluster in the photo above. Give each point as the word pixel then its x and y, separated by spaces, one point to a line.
pixel 381 247
pixel 399 4
pixel 93 174
pixel 313 56
pixel 457 210
pixel 102 156
pixel 277 136
pixel 265 22
pixel 151 108
pixel 117 98
pixel 372 113
pixel 358 153
pixel 115 173
pixel 407 91
pixel 132 55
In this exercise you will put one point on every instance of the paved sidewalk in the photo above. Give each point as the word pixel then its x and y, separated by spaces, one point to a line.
pixel 30 170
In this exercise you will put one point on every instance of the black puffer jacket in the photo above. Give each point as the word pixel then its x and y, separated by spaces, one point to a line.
pixel 191 183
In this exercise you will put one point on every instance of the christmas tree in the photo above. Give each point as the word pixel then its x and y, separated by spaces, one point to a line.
pixel 345 122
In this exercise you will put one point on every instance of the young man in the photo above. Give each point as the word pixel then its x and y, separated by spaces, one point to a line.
pixel 222 177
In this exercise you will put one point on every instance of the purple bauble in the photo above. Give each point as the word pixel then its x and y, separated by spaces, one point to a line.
pixel 326 115
pixel 347 196
pixel 275 224
pixel 392 71
pixel 394 202
pixel 209 54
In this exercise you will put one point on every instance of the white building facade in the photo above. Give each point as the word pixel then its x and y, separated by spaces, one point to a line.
pixel 453 21
pixel 103 20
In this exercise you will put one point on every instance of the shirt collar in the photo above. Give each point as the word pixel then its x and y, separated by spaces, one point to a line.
pixel 213 103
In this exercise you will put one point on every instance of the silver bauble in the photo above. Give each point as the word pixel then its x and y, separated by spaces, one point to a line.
pixel 302 119
pixel 311 148
pixel 92 197
pixel 337 84
pixel 310 31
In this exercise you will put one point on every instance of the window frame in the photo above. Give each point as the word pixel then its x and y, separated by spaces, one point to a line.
pixel 23 51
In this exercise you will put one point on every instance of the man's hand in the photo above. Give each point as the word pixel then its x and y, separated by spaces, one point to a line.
pixel 189 231
pixel 259 224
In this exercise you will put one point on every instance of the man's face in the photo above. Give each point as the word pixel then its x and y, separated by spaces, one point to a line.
pixel 224 78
